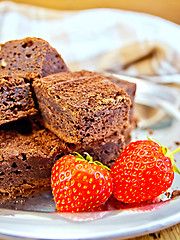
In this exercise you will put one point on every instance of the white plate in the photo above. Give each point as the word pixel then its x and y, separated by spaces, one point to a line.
pixel 113 223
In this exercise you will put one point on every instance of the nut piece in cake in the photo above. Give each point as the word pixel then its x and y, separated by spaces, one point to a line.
pixel 34 56
pixel 15 98
pixel 80 107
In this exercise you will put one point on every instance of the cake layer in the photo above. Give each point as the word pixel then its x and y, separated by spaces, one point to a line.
pixel 82 108
pixel 16 99
pixel 33 56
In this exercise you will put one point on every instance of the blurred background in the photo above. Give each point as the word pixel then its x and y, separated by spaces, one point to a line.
pixel 168 9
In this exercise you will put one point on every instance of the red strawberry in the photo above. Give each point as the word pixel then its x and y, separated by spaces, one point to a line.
pixel 143 171
pixel 80 184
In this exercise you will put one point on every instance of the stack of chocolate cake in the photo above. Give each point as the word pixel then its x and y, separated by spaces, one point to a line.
pixel 47 111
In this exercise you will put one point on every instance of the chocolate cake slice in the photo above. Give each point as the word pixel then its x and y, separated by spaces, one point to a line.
pixel 28 152
pixel 106 150
pixel 130 88
pixel 16 99
pixel 32 56
pixel 82 109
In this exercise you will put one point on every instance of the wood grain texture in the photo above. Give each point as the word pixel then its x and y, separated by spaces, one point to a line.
pixel 172 233
pixel 168 9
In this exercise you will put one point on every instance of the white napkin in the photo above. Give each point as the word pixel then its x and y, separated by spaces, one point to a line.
pixel 100 39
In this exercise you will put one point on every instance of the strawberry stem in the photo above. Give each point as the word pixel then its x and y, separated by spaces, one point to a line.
pixel 79 156
pixel 168 153
pixel 90 160
pixel 175 169
pixel 88 157
pixel 174 166
pixel 102 165
pixel 175 151
pixel 154 140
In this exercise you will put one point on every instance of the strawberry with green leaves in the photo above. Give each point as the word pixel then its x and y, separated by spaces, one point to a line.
pixel 80 184
pixel 144 170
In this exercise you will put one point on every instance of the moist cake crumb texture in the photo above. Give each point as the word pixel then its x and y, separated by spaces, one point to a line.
pixel 33 56
pixel 16 99
pixel 46 112
pixel 84 109
pixel 27 154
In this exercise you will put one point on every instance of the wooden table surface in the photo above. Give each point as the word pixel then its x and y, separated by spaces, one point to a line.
pixel 172 233
pixel 168 9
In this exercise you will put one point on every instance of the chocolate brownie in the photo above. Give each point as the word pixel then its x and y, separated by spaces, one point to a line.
pixel 105 151
pixel 16 99
pixel 32 56
pixel 82 109
pixel 27 154
pixel 130 88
